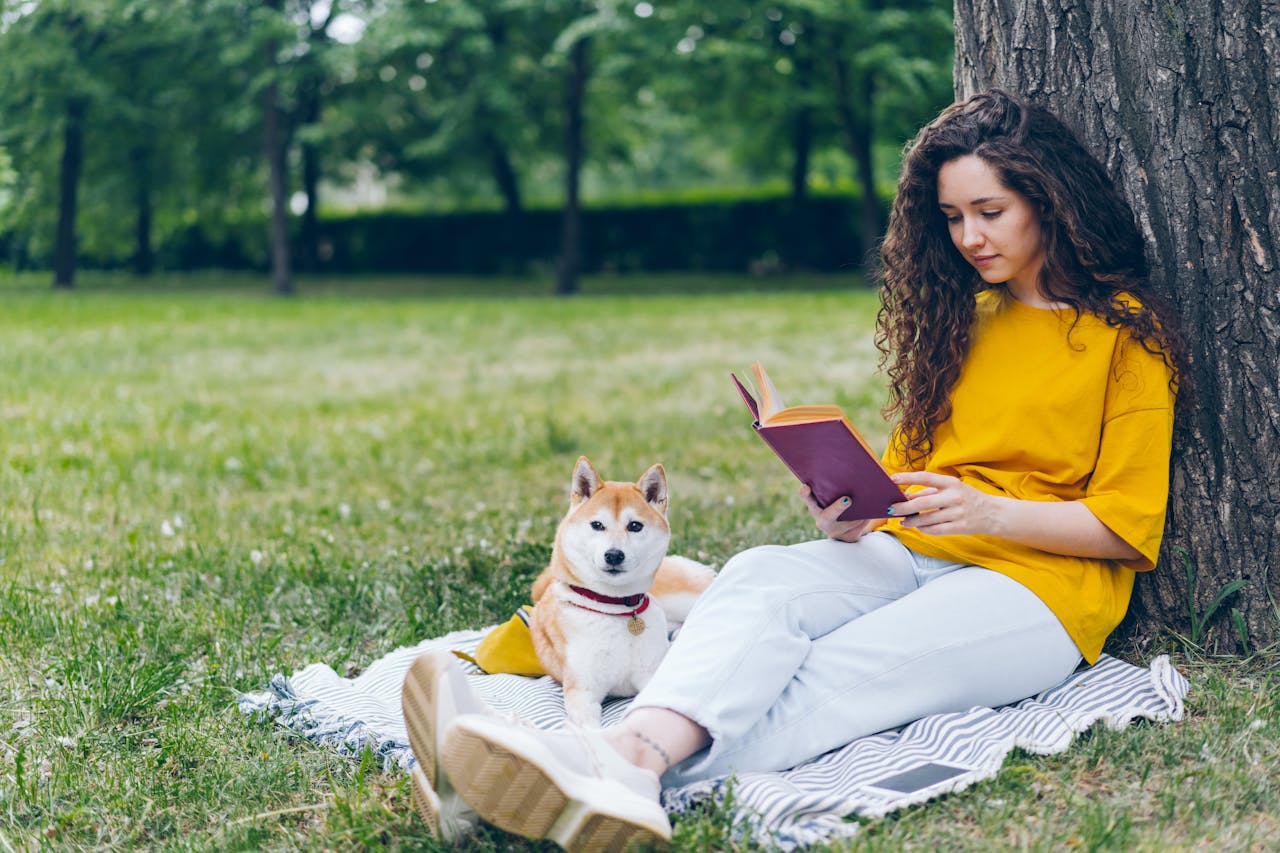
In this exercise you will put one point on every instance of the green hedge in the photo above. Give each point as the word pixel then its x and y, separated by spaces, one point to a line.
pixel 714 235
pixel 728 236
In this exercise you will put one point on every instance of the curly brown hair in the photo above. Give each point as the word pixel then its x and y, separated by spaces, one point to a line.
pixel 1092 247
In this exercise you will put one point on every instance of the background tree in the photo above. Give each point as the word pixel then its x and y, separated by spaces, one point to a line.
pixel 161 144
pixel 884 62
pixel 573 49
pixel 813 77
pixel 317 75
pixel 455 99
pixel 275 143
pixel 1182 103
pixel 161 71
pixel 51 68
pixel 442 105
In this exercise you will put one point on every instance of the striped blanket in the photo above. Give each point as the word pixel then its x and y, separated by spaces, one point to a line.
pixel 806 805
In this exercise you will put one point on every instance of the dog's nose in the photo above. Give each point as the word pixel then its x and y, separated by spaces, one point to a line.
pixel 614 556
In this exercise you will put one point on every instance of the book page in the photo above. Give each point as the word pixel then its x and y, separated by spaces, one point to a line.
pixel 770 403
pixel 805 414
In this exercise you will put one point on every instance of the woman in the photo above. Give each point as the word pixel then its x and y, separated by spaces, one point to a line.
pixel 1032 379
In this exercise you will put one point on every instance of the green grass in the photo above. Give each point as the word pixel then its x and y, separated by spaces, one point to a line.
pixel 202 486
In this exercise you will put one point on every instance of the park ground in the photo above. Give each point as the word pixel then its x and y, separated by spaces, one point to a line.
pixel 203 485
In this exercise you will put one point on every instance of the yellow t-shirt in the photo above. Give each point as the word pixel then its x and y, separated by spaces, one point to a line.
pixel 1042 414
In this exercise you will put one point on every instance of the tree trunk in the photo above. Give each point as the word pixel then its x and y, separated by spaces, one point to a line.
pixel 792 233
pixel 310 219
pixel 143 255
pixel 282 278
pixel 274 149
pixel 1182 103
pixel 571 226
pixel 873 221
pixel 855 95
pixel 802 128
pixel 64 251
pixel 500 165
pixel 504 175
pixel 310 228
pixel 801 148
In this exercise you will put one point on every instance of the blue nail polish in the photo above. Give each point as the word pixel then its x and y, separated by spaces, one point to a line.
pixel 844 502
pixel 889 511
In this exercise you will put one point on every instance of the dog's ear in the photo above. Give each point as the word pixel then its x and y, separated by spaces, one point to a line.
pixel 585 482
pixel 653 485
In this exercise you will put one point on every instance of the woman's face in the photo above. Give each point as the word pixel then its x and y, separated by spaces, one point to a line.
pixel 995 228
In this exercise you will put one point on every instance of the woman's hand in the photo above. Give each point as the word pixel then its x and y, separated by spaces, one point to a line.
pixel 946 506
pixel 828 519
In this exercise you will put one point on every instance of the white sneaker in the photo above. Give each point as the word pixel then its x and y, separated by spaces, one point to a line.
pixel 435 691
pixel 571 787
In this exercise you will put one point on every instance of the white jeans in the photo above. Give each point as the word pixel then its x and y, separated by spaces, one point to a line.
pixel 796 650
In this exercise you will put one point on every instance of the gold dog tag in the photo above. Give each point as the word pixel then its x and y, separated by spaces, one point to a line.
pixel 635 625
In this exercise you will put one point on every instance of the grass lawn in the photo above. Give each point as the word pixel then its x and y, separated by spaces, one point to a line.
pixel 202 485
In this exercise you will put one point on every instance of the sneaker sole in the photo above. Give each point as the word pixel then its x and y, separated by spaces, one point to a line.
pixel 514 793
pixel 418 701
pixel 426 802
pixel 431 790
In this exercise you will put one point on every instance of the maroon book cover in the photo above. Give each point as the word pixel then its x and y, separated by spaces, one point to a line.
pixel 831 460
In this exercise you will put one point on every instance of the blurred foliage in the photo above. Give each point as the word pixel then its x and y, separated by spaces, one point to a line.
pixel 443 105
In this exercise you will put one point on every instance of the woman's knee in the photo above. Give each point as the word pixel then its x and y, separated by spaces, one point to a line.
pixel 789 567
pixel 753 565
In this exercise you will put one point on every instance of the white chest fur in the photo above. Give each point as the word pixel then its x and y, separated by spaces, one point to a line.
pixel 603 651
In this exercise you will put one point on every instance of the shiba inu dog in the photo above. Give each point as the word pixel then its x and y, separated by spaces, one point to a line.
pixel 607 600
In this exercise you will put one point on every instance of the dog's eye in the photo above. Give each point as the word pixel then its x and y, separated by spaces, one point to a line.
pixel 597 525
pixel 635 527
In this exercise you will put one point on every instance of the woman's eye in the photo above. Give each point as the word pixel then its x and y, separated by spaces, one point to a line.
pixel 991 214
pixel 597 525
pixel 952 220
pixel 635 527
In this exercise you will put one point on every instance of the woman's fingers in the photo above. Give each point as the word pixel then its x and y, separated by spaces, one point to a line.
pixel 917 502
pixel 822 514
pixel 945 506
pixel 828 518
pixel 831 514
pixel 806 495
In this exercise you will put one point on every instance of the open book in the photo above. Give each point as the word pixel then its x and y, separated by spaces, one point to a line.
pixel 823 449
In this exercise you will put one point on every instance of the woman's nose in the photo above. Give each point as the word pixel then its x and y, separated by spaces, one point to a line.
pixel 972 237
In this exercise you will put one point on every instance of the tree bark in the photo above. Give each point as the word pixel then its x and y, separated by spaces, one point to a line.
pixel 310 228
pixel 855 95
pixel 792 243
pixel 274 150
pixel 504 174
pixel 277 177
pixel 802 127
pixel 801 148
pixel 281 276
pixel 143 254
pixel 571 225
pixel 500 164
pixel 64 251
pixel 1182 103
